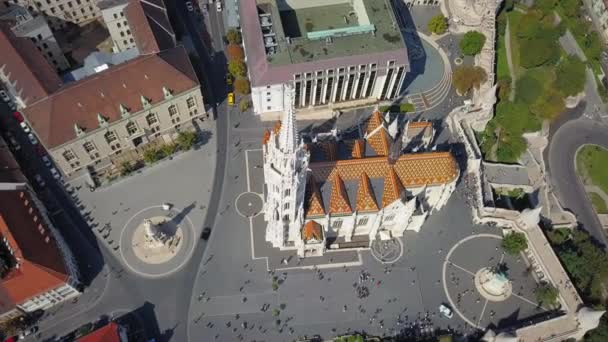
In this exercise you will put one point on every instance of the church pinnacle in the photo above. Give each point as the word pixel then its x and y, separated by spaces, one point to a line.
pixel 289 131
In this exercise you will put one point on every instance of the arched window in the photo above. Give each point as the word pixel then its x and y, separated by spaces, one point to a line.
pixel 131 128
pixel 110 137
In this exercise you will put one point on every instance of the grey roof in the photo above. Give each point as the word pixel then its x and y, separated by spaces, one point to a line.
pixel 506 174
pixel 264 71
pixel 105 4
pixel 97 59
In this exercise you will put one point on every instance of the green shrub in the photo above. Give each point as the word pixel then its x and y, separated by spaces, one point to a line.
pixel 233 36
pixel 571 76
pixel 185 140
pixel 126 168
pixel 406 107
pixel 514 243
pixel 472 43
pixel 546 295
pixel 438 24
pixel 237 68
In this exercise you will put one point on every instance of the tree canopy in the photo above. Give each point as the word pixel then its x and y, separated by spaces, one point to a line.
pixel 438 24
pixel 514 243
pixel 237 68
pixel 546 295
pixel 233 36
pixel 472 43
pixel 235 52
pixel 467 77
pixel 571 76
pixel 242 86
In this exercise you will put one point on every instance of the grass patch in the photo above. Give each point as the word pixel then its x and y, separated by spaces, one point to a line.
pixel 514 20
pixel 502 64
pixel 592 163
pixel 598 203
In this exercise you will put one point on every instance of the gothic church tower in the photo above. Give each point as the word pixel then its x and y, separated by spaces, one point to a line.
pixel 285 169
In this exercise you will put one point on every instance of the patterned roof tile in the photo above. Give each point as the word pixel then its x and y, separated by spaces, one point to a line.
pixel 314 202
pixel 365 195
pixel 392 188
pixel 338 203
pixel 358 148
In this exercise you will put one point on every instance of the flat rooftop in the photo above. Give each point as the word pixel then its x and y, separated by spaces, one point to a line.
pixel 299 31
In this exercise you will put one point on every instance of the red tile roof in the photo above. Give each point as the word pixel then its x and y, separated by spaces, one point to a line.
pixel 54 118
pixel 150 26
pixel 107 333
pixel 33 77
pixel 338 203
pixel 392 188
pixel 376 135
pixel 314 203
pixel 365 195
pixel 312 231
pixel 41 265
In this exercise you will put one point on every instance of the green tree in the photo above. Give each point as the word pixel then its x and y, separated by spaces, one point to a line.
pixel 546 295
pixel 438 24
pixel 549 105
pixel 472 43
pixel 467 77
pixel 528 88
pixel 593 45
pixel 152 155
pixel 168 149
pixel 599 334
pixel 539 51
pixel 406 107
pixel 244 105
pixel 185 140
pixel 514 243
pixel 242 86
pixel 571 8
pixel 545 5
pixel 233 36
pixel 235 52
pixel 237 68
pixel 571 76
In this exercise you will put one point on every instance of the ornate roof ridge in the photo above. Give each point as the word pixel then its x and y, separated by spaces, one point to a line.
pixel 338 203
pixel 392 187
pixel 314 205
pixel 365 195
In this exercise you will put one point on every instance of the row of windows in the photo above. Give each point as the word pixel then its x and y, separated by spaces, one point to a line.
pixel 330 72
pixel 361 222
pixel 112 138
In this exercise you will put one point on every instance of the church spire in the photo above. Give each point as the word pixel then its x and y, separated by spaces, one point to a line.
pixel 288 135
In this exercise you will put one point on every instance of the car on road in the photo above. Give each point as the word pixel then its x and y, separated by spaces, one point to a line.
pixel 32 139
pixel 55 173
pixel 4 96
pixel 446 311
pixel 206 232
pixel 13 141
pixel 231 99
pixel 218 5
pixel 39 180
pixel 27 332
pixel 18 116
pixel 25 127
pixel 189 6
pixel 47 161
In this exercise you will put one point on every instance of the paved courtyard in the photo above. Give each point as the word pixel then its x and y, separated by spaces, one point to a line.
pixel 183 181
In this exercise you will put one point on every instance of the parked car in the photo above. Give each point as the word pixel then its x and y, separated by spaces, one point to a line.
pixel 39 180
pixel 446 311
pixel 13 142
pixel 55 173
pixel 25 127
pixel 46 160
pixel 189 6
pixel 18 116
pixel 32 139
pixel 218 5
pixel 4 96
pixel 27 332
pixel 206 232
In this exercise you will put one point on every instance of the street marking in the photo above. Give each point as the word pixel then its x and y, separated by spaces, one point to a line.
pixel 462 268
pixel 528 301
pixel 483 310
pixel 247 170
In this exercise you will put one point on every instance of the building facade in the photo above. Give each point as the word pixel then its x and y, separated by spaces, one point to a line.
pixel 23 24
pixel 600 15
pixel 117 110
pixel 359 58
pixel 342 191
pixel 61 12
pixel 43 272
pixel 113 14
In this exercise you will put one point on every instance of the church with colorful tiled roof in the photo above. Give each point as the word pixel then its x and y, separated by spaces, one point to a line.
pixel 345 190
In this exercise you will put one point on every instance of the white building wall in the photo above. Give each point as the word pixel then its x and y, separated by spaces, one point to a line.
pixel 119 28
pixel 268 98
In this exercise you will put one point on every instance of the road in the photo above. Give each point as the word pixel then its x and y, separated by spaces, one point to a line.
pixel 562 152
pixel 108 289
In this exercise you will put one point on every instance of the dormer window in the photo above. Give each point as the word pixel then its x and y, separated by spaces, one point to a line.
pixel 145 102
pixel 124 111
pixel 168 93
pixel 79 131
pixel 131 128
pixel 103 122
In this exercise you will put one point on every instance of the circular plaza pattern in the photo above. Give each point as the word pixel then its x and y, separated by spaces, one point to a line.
pixel 160 259
pixel 487 287
pixel 387 251
pixel 249 204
